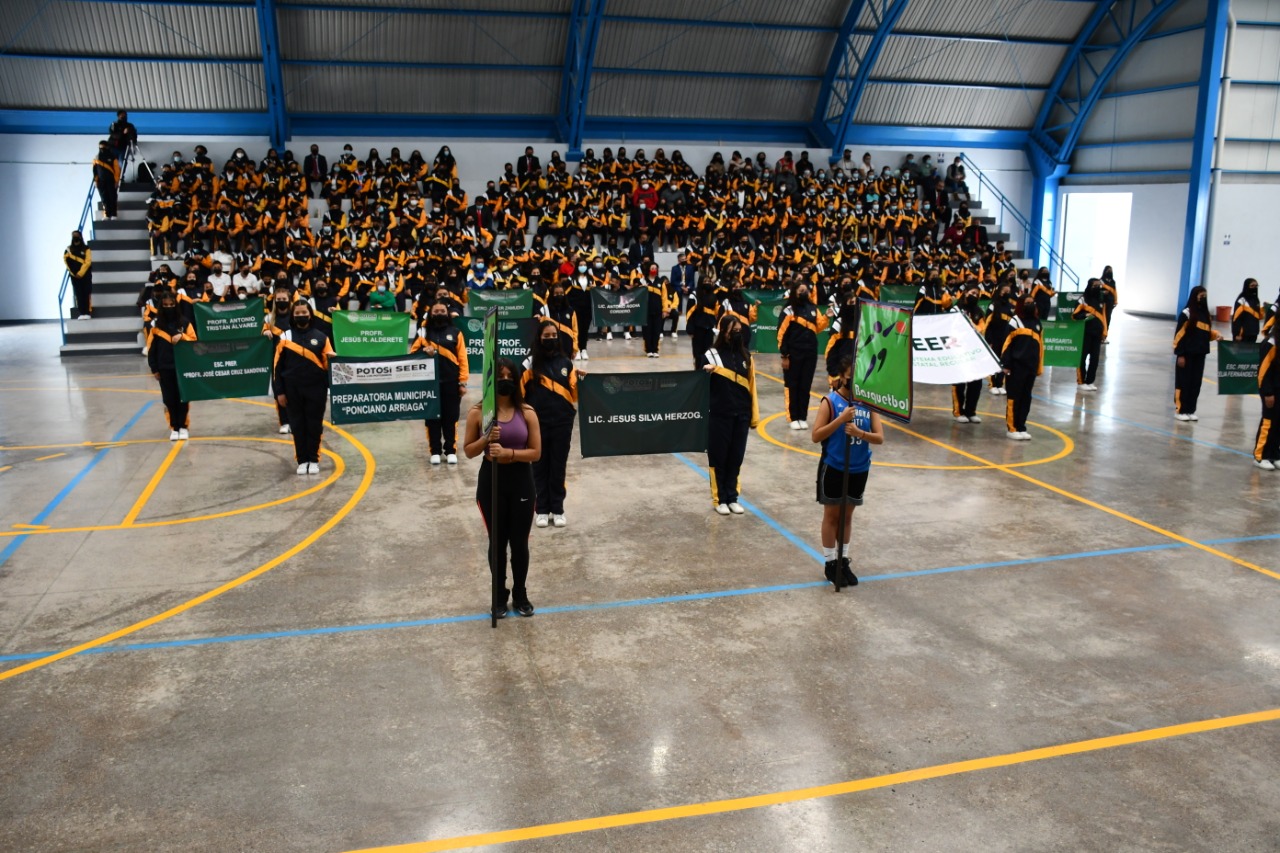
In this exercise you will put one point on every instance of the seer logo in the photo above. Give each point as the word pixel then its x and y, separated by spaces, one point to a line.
pixel 938 344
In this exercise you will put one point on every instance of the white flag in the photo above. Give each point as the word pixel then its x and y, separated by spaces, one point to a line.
pixel 946 349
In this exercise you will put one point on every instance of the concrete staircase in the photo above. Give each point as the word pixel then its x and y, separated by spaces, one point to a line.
pixel 121 264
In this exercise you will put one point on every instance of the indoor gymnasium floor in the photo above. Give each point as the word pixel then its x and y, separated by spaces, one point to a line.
pixel 1070 643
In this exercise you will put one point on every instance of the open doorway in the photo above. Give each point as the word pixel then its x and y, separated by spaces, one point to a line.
pixel 1095 233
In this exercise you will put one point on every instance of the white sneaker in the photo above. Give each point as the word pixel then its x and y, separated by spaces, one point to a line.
pixel 284 429
pixel 451 458
pixel 1091 387
pixel 736 508
pixel 804 425
pixel 1178 416
pixel 313 467
pixel 961 419
pixel 585 355
pixel 1193 417
pixel 175 435
pixel 85 317
pixel 578 357
pixel 435 459
pixel 626 336
pixel 608 336
pixel 557 519
pixel 183 435
pixel 722 509
pixel 974 419
pixel 795 425
pixel 302 468
pixel 541 520
pixel 1024 436
pixel 1265 464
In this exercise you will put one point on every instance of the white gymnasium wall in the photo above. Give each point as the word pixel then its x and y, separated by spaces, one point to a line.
pixel 45 178
pixel 1242 242
pixel 1156 228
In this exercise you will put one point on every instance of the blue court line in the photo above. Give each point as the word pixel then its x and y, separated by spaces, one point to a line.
pixel 1146 427
pixel 17 541
pixel 615 605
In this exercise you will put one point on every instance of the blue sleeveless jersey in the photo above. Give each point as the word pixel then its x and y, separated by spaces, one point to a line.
pixel 837 444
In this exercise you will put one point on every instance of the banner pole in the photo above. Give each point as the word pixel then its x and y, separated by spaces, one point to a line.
pixel 493 523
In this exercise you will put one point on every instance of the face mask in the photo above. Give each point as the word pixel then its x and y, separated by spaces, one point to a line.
pixel 550 346
pixel 506 387
pixel 301 321
pixel 382 288
pixel 440 321
pixel 281 305
pixel 582 267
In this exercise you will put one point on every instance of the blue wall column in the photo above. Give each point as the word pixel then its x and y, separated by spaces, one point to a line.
pixel 269 35
pixel 1202 165
pixel 1046 176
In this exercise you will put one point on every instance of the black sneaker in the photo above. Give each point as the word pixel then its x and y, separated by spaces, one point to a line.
pixel 524 608
pixel 500 612
pixel 847 577
pixel 830 571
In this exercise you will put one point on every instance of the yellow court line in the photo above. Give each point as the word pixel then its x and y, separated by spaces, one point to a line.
pixel 151 486
pixel 50 456
pixel 801 794
pixel 370 466
pixel 339 467
pixel 96 445
pixel 5 468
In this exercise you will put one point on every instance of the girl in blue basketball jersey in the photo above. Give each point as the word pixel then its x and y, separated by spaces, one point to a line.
pixel 846 431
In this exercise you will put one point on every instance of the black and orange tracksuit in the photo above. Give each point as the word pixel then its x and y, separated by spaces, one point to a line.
pixel 733 413
pixel 1267 442
pixel 1191 345
pixel 301 374
pixel 566 320
pixel 450 348
pixel 79 261
pixel 700 321
pixel 1093 312
pixel 995 329
pixel 1023 357
pixel 661 301
pixel 164 333
pixel 1246 319
pixel 550 386
pixel 798 343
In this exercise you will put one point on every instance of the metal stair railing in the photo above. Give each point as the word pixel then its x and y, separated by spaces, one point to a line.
pixel 1065 274
pixel 86 217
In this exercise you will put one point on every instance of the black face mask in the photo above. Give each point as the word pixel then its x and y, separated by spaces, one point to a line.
pixel 506 387
pixel 550 346
pixel 301 321
pixel 439 321
pixel 282 306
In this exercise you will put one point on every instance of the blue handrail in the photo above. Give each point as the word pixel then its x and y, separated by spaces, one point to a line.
pixel 1065 273
pixel 86 216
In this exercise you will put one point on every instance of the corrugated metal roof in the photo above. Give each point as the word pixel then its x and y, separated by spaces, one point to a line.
pixel 947 106
pixel 80 84
pixel 389 37
pixel 353 89
pixel 807 13
pixel 962 61
pixel 1031 18
pixel 1256 10
pixel 128 29
pixel 1185 14
pixel 684 48
pixel 1253 112
pixel 630 95
pixel 556 6
pixel 1253 156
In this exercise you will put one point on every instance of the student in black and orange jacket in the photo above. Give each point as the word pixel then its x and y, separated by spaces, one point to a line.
pixel 964 395
pixel 1246 319
pixel 1190 347
pixel 560 311
pixel 1266 445
pixel 301 382
pixel 1092 309
pixel 441 338
pixel 798 344
pixel 168 329
pixel 550 385
pixel 1023 360
pixel 733 412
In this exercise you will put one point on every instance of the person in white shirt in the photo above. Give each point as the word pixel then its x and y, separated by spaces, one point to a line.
pixel 219 280
pixel 248 282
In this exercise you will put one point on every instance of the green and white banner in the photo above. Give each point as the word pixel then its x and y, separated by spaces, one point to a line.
pixel 472 329
pixel 370 334
pixel 1066 303
pixel 1063 342
pixel 946 349
pixel 768 317
pixel 364 390
pixel 620 307
pixel 229 321
pixel 1238 367
pixel 899 294
pixel 218 370
pixel 516 339
pixel 511 304
pixel 628 414
pixel 883 363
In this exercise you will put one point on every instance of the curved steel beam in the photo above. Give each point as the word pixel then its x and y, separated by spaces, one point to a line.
pixel 1130 20
pixel 575 79
pixel 850 69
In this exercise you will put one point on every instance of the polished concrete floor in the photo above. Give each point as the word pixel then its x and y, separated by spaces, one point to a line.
pixel 1066 644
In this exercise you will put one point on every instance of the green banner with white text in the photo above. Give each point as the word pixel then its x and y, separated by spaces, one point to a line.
pixel 1063 342
pixel 628 414
pixel 1238 367
pixel 218 370
pixel 882 364
pixel 768 317
pixel 619 307
pixel 472 329
pixel 228 321
pixel 370 334
pixel 370 390
pixel 899 294
pixel 511 304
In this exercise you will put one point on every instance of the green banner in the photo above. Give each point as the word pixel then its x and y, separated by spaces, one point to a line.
pixel 511 304
pixel 371 390
pixel 217 370
pixel 768 318
pixel 472 329
pixel 1066 302
pixel 984 305
pixel 628 414
pixel 755 297
pixel 371 334
pixel 899 294
pixel 488 380
pixel 1063 342
pixel 882 364
pixel 1238 367
pixel 516 339
pixel 619 308
pixel 228 321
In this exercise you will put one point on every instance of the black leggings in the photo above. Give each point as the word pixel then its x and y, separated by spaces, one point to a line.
pixel 173 403
pixel 1187 381
pixel 442 432
pixel 1091 350
pixel 514 519
pixel 652 329
pixel 1019 386
pixel 964 398
pixel 83 290
pixel 702 341
pixel 305 407
pixel 550 470
pixel 798 381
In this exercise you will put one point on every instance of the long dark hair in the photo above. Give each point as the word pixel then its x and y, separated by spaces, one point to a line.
pixel 1193 309
pixel 722 344
pixel 1250 294
pixel 517 397
pixel 539 359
